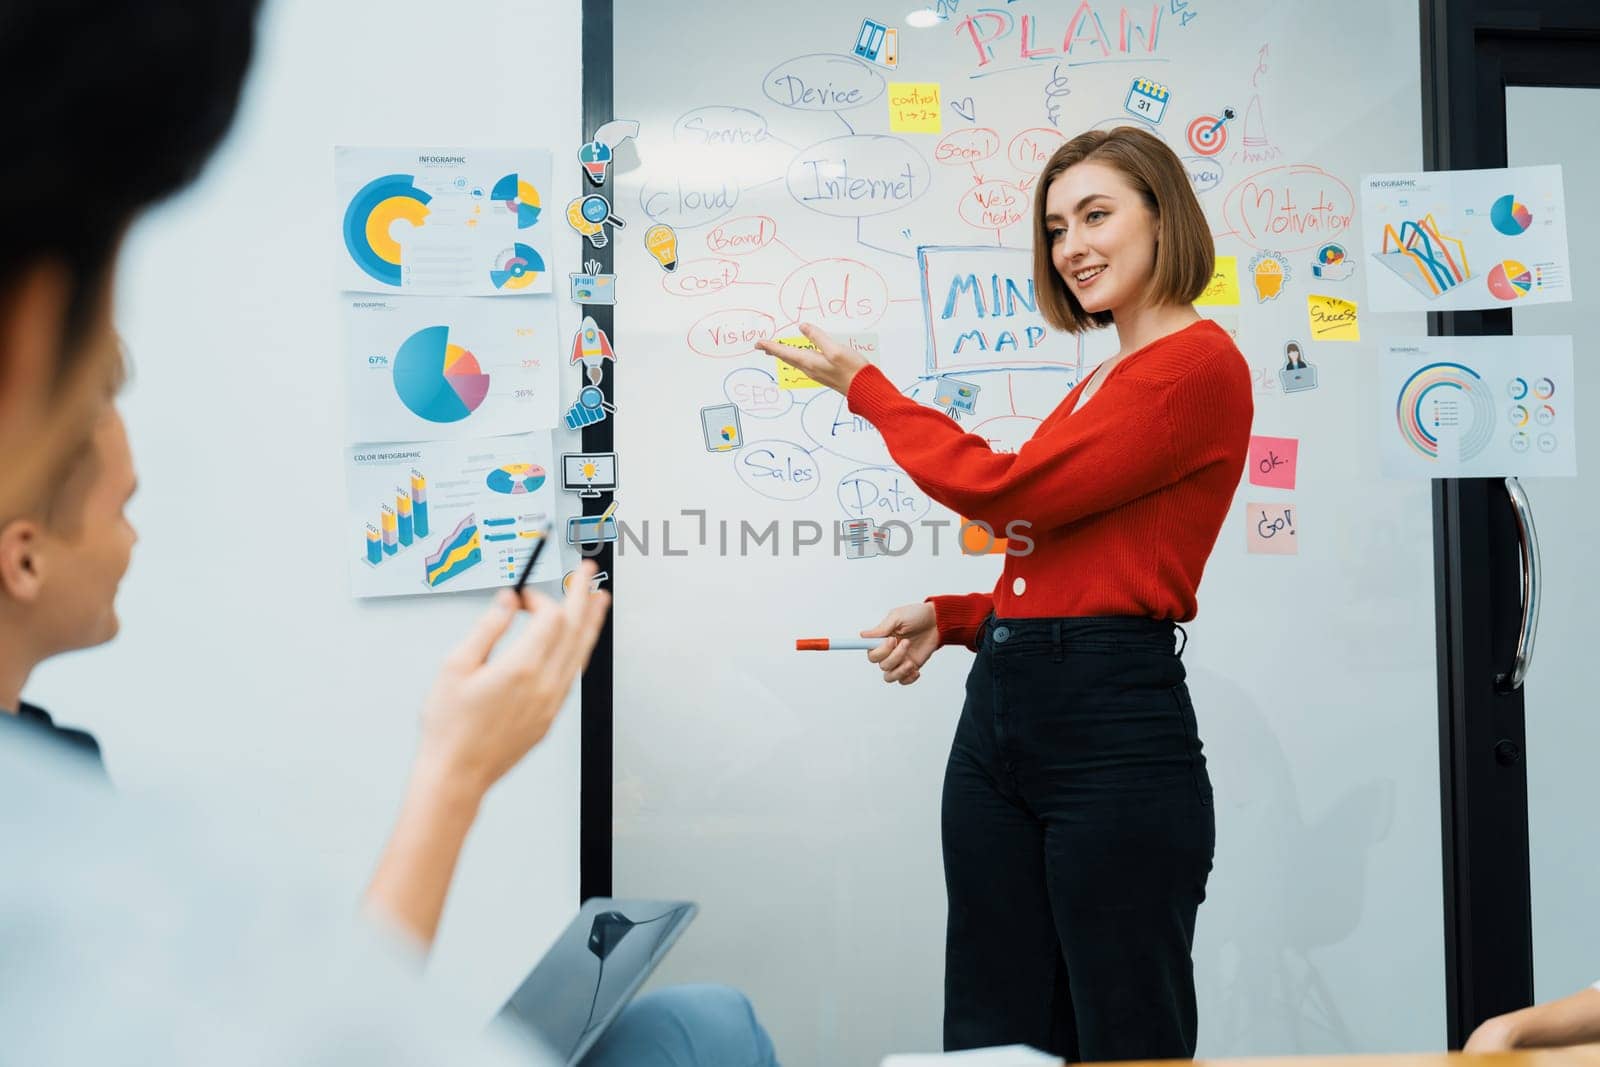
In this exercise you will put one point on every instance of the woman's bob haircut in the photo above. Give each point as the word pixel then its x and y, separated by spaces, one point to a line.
pixel 1184 253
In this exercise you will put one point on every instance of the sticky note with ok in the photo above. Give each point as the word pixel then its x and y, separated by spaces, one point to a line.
pixel 1272 529
pixel 1273 461
pixel 1332 318
pixel 1224 285
pixel 789 377
pixel 915 107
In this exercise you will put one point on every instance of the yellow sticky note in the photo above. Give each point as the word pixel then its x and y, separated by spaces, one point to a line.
pixel 1332 318
pixel 789 377
pixel 1224 287
pixel 915 107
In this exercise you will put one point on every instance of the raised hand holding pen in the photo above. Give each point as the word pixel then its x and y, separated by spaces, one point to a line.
pixel 494 699
pixel 830 363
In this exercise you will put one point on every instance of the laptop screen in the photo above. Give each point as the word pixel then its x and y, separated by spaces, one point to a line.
pixel 593 970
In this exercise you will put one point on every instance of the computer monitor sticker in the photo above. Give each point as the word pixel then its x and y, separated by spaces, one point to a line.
pixel 589 473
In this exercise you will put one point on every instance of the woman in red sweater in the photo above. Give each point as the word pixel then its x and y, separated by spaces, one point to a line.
pixel 1077 819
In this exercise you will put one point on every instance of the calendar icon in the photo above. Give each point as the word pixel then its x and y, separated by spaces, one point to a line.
pixel 1147 99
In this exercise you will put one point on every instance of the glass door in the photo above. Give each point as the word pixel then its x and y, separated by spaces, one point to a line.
pixel 1562 720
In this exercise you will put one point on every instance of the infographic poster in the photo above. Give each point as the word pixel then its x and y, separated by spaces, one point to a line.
pixel 1478 407
pixel 447 369
pixel 444 221
pixel 439 517
pixel 1466 239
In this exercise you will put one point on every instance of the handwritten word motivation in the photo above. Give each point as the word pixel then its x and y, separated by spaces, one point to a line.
pixel 822 83
pixel 858 175
pixel 1289 208
pixel 1091 32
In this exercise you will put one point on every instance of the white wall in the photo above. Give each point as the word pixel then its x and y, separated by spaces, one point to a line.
pixel 246 676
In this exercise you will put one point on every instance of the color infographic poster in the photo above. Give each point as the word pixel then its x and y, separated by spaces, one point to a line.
pixel 1465 239
pixel 446 369
pixel 444 221
pixel 1478 407
pixel 450 515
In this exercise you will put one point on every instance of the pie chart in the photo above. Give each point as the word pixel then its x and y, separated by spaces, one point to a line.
pixel 437 380
pixel 516 478
pixel 519 197
pixel 517 267
pixel 1510 215
pixel 1509 280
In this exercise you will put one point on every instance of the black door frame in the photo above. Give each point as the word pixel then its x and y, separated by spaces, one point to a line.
pixel 595 743
pixel 1471 51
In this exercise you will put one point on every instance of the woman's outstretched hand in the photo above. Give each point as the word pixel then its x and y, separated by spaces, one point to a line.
pixel 830 363
pixel 913 636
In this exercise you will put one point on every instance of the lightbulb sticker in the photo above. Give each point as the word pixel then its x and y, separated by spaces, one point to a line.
pixel 595 157
pixel 589 215
pixel 661 241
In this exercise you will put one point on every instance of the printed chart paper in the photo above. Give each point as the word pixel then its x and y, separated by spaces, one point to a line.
pixel 1465 239
pixel 444 221
pixel 452 515
pixel 1478 407
pixel 446 369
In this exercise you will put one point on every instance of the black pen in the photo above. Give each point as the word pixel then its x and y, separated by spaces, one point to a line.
pixel 533 557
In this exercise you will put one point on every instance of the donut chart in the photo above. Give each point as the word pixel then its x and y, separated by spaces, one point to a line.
pixel 516 478
pixel 519 197
pixel 517 267
pixel 1445 399
pixel 368 218
pixel 1510 280
pixel 1510 216
pixel 436 380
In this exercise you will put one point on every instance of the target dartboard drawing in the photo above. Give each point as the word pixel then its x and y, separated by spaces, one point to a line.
pixel 1208 134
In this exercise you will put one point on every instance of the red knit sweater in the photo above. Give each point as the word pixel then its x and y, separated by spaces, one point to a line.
pixel 1126 497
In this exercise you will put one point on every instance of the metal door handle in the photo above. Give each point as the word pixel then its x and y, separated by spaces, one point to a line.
pixel 1528 542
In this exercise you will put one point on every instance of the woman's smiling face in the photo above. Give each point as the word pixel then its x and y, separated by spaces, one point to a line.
pixel 1102 236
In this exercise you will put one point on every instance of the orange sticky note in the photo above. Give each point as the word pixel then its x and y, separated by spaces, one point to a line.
pixel 1272 529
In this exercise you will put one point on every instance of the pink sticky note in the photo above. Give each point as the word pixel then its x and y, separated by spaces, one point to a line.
pixel 1273 460
pixel 1272 529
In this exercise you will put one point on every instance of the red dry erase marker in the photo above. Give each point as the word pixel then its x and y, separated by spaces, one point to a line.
pixel 836 644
